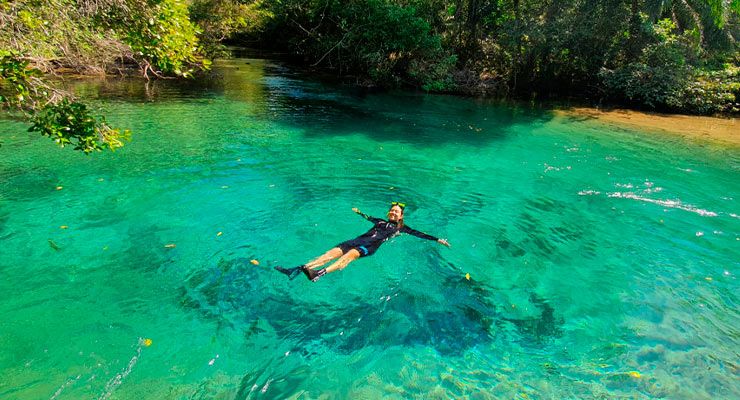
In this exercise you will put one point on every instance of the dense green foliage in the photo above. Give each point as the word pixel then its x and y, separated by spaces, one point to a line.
pixel 655 54
pixel 156 35
pixel 379 40
pixel 87 36
pixel 159 32
pixel 221 20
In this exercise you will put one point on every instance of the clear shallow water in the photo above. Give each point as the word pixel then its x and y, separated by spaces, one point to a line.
pixel 595 253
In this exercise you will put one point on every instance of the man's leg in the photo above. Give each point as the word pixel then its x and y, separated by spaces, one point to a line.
pixel 315 263
pixel 343 261
pixel 324 258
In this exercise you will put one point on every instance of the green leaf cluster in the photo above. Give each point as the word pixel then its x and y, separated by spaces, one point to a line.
pixel 61 118
pixel 15 77
pixel 161 34
pixel 71 123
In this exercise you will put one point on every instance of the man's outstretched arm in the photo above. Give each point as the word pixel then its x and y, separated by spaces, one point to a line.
pixel 367 217
pixel 423 235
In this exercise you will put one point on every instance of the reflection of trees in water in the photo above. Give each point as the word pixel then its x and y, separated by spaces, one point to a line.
pixel 426 119
pixel 235 79
pixel 235 296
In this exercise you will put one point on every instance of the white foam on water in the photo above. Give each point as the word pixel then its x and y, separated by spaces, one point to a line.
pixel 118 379
pixel 267 385
pixel 69 382
pixel 665 203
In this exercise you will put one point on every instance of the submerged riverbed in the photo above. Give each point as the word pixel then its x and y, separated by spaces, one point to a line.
pixel 602 260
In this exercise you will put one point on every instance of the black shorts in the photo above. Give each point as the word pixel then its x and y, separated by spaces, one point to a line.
pixel 364 247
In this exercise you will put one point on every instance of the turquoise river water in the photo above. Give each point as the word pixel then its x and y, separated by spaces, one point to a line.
pixel 602 261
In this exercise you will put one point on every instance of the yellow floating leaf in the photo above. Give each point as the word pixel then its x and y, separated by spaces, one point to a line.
pixel 219 234
pixel 60 187
pixel 170 245
pixel 635 374
pixel 63 227
pixel 467 276
pixel 255 262
pixel 147 342
pixel 708 279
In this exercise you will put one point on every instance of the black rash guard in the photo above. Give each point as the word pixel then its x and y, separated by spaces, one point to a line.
pixel 382 230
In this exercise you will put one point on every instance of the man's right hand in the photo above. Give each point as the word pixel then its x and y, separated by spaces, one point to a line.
pixel 355 209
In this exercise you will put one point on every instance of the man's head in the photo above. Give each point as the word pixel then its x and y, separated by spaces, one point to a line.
pixel 395 213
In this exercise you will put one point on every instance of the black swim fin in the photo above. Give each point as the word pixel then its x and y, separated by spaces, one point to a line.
pixel 290 272
pixel 312 274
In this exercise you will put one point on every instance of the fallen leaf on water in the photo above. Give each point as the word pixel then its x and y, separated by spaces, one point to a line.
pixel 63 227
pixel 255 262
pixel 147 342
pixel 170 245
pixel 635 374
pixel 60 187
pixel 54 245
pixel 467 276
pixel 219 234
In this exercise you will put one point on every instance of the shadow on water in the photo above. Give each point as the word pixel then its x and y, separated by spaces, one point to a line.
pixel 27 184
pixel 235 296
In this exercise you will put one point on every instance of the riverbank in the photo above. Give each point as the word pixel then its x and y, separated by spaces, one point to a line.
pixel 714 129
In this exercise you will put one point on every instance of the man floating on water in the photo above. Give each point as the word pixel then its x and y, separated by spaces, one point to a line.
pixel 362 246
